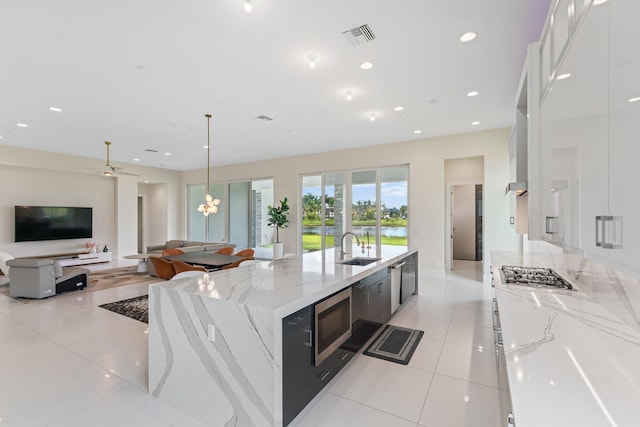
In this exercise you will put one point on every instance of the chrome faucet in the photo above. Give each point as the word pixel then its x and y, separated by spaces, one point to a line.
pixel 342 243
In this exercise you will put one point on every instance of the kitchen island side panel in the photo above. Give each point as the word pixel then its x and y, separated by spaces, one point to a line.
pixel 234 380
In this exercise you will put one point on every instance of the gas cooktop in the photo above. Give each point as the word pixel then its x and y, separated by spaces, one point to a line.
pixel 534 276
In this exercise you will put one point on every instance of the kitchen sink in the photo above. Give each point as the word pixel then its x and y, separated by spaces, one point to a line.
pixel 359 261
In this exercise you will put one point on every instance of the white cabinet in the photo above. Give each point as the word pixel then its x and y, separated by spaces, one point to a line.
pixel 589 130
pixel 624 130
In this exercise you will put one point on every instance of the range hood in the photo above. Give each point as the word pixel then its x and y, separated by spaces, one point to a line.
pixel 517 188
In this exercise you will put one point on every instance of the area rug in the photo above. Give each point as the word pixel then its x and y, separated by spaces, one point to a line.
pixel 136 308
pixel 98 280
pixel 395 344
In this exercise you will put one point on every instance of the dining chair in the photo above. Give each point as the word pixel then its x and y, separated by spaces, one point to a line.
pixel 237 263
pixel 164 268
pixel 180 266
pixel 245 253
pixel 172 251
pixel 225 251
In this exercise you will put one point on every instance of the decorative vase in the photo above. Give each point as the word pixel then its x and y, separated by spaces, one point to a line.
pixel 93 249
pixel 278 250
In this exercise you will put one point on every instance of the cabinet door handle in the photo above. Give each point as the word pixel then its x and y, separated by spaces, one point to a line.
pixel 344 356
pixel 323 375
pixel 380 287
pixel 511 422
pixel 308 337
pixel 397 266
pixel 599 231
pixel 611 235
pixel 551 225
pixel 366 297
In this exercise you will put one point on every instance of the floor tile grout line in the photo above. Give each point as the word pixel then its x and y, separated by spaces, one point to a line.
pixel 371 407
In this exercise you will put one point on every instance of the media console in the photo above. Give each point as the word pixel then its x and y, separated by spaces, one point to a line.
pixel 83 258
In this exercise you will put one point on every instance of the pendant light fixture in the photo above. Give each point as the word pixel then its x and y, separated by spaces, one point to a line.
pixel 210 204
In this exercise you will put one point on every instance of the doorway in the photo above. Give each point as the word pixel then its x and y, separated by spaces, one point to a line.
pixel 140 223
pixel 467 173
pixel 466 222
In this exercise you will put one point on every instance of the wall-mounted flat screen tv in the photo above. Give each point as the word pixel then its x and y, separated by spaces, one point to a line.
pixel 33 223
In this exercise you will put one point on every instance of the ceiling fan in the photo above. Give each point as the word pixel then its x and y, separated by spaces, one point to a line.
pixel 112 170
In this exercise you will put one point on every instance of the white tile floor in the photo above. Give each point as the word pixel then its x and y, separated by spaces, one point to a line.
pixel 65 362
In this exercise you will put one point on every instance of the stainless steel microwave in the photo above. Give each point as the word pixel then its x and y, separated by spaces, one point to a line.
pixel 332 325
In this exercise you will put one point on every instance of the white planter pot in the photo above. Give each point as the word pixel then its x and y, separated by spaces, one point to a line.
pixel 278 250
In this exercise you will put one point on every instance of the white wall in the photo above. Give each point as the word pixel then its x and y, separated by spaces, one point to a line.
pixel 426 159
pixel 32 177
pixel 26 186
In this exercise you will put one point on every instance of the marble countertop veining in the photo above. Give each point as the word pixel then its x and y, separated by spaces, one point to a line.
pixel 573 357
pixel 288 284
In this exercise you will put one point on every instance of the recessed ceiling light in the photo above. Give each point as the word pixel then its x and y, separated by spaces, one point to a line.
pixel 563 76
pixel 417 131
pixel 599 2
pixel 634 99
pixel 167 154
pixel 136 160
pixel 247 6
pixel 467 37
pixel 399 108
pixel 475 123
pixel 56 109
pixel 146 181
pixel 472 93
pixel 372 117
pixel 205 146
pixel 1 136
pixel 366 65
pixel 312 61
pixel 22 125
pixel 349 95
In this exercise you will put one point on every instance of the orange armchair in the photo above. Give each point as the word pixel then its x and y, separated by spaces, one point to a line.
pixel 180 266
pixel 225 251
pixel 164 268
pixel 245 253
pixel 237 263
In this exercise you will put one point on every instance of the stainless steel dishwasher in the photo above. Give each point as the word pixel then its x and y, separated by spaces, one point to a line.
pixel 396 283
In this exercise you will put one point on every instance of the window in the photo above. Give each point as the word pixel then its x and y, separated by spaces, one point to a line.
pixel 371 203
pixel 241 217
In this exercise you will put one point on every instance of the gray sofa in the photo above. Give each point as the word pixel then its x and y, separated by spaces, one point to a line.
pixel 187 246
pixel 44 277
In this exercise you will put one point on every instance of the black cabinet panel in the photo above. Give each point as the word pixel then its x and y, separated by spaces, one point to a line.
pixel 301 381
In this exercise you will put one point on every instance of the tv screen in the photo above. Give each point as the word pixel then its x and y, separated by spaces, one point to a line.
pixel 33 223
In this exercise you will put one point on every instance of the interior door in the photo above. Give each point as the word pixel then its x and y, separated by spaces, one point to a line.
pixel 464 222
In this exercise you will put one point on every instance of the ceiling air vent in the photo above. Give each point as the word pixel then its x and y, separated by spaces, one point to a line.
pixel 263 117
pixel 149 150
pixel 359 35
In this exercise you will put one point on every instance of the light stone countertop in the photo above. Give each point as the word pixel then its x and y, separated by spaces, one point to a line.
pixel 573 357
pixel 288 284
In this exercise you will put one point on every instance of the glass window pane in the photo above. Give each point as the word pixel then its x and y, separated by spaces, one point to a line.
pixel 261 198
pixel 311 213
pixel 335 212
pixel 239 214
pixel 364 215
pixel 195 196
pixel 394 202
pixel 216 232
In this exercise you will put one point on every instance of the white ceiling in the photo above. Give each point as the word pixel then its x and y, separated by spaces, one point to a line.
pixel 143 73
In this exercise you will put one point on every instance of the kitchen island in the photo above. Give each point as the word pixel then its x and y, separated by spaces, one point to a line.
pixel 572 356
pixel 215 346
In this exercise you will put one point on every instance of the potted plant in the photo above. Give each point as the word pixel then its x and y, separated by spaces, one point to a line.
pixel 278 219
